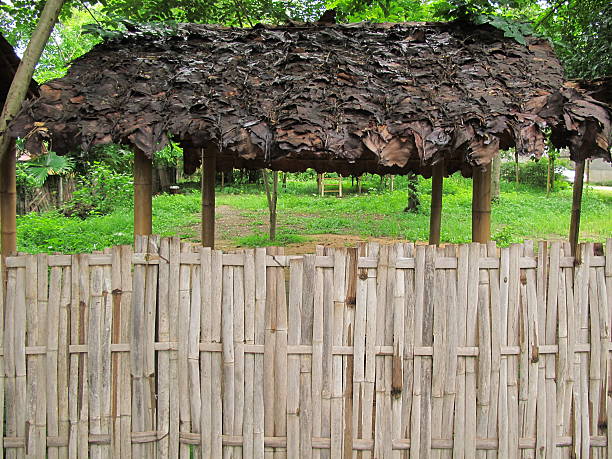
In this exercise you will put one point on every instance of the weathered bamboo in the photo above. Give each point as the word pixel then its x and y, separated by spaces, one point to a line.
pixel 576 206
pixel 481 204
pixel 209 171
pixel 435 218
pixel 293 364
pixel 8 202
pixel 143 211
pixel 450 352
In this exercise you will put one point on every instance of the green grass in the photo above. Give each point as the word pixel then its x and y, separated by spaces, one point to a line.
pixel 522 212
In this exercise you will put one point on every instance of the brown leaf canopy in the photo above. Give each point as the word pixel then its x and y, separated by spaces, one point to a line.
pixel 382 98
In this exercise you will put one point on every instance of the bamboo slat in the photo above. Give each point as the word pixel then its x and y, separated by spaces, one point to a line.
pixel 280 359
pixel 138 349
pixel 238 354
pixel 293 364
pixel 471 338
pixel 408 361
pixel 217 282
pixel 83 286
pixel 495 336
pixel 125 332
pixel 483 395
pixel 227 337
pixel 416 419
pixel 249 359
pixel 163 358
pixel 31 373
pixel 205 357
pixel 306 361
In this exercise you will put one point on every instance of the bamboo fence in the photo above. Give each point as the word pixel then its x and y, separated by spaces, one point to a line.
pixel 172 350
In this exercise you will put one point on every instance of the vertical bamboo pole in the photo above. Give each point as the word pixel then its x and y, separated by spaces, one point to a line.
pixel 436 202
pixel 576 204
pixel 481 204
pixel 8 202
pixel 143 177
pixel 209 170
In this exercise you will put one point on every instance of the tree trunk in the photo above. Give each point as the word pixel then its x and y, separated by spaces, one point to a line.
pixel 495 177
pixel 272 196
pixel 576 206
pixel 552 168
pixel 413 195
pixel 548 177
pixel 21 82
pixel 516 167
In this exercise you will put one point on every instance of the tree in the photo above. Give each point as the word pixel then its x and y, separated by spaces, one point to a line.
pixel 23 76
pixel 272 195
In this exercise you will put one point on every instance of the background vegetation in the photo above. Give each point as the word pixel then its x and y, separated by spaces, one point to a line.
pixel 99 213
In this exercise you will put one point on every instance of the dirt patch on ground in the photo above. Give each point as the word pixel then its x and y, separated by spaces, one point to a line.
pixel 232 223
pixel 306 247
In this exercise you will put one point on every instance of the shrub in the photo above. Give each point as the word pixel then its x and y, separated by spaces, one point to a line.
pixel 100 192
pixel 533 172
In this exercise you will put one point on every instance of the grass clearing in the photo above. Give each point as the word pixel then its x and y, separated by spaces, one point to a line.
pixel 523 212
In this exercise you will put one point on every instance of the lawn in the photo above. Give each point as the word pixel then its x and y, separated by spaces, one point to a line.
pixel 521 212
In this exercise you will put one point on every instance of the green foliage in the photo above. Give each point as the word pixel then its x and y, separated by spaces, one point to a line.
pixel 100 192
pixel 168 156
pixel 67 42
pixel 581 31
pixel 116 157
pixel 40 168
pixel 522 212
pixel 534 172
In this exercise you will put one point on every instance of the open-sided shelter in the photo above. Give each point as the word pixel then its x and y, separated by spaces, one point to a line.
pixel 431 98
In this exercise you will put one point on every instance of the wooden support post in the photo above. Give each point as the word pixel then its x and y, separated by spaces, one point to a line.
pixel 481 204
pixel 435 217
pixel 143 179
pixel 576 205
pixel 209 172
pixel 8 202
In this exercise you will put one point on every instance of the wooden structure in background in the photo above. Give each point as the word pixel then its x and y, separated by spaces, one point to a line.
pixel 333 183
pixel 178 349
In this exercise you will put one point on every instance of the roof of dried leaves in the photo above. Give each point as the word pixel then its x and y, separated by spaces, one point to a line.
pixel 381 98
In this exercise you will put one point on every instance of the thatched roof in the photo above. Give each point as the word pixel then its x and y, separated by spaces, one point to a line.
pixel 9 61
pixel 355 98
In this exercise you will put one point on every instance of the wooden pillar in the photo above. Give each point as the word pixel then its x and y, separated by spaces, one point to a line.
pixel 209 171
pixel 8 202
pixel 143 179
pixel 435 218
pixel 481 204
pixel 576 205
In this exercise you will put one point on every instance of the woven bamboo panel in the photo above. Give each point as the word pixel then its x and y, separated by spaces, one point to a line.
pixel 172 350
